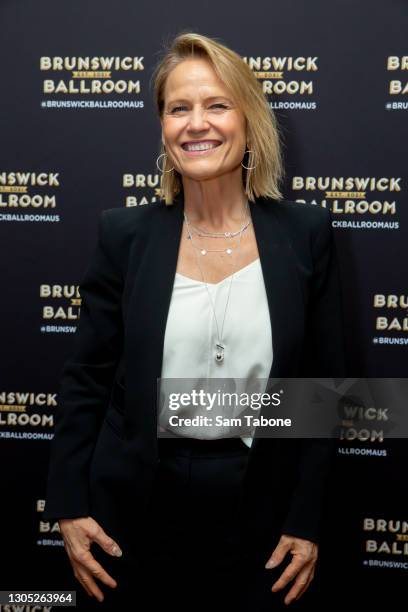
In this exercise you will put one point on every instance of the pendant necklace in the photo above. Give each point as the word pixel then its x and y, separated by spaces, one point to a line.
pixel 220 345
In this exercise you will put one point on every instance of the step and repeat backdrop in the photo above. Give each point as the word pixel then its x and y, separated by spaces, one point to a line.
pixel 79 134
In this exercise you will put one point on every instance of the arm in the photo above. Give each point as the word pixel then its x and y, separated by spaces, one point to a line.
pixel 85 383
pixel 323 357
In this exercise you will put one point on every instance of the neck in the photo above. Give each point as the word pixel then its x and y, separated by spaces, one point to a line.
pixel 216 203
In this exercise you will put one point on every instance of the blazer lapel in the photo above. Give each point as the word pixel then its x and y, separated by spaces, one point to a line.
pixel 152 269
pixel 285 299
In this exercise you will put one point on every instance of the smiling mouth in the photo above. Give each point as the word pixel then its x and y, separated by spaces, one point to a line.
pixel 193 147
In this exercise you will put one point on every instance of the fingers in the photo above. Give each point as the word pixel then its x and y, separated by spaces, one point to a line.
pixel 107 543
pixel 78 535
pixel 302 582
pixel 306 586
pixel 303 561
pixel 289 573
pixel 85 578
pixel 79 532
pixel 279 553
pixel 86 569
pixel 85 560
pixel 84 584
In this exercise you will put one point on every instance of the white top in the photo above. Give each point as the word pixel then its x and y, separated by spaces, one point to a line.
pixel 191 336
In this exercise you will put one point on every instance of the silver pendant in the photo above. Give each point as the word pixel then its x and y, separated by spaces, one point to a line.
pixel 219 353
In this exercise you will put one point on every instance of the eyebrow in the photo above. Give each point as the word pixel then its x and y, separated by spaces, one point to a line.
pixel 208 99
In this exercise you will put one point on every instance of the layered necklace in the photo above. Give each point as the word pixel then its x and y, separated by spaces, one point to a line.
pixel 219 349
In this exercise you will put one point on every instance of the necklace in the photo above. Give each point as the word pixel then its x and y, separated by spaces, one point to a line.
pixel 220 345
pixel 202 232
pixel 228 250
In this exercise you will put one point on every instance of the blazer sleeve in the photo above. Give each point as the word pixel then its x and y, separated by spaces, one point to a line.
pixel 323 357
pixel 85 383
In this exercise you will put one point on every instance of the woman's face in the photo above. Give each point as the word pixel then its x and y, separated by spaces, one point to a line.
pixel 203 130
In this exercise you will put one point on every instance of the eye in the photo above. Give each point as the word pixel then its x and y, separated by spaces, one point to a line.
pixel 178 109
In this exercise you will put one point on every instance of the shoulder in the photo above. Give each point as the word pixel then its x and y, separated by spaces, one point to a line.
pixel 128 223
pixel 308 227
pixel 129 219
pixel 301 220
pixel 302 214
pixel 120 227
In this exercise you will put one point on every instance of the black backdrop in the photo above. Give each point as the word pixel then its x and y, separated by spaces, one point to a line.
pixel 343 115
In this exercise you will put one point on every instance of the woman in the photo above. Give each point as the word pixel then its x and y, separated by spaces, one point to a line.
pixel 221 278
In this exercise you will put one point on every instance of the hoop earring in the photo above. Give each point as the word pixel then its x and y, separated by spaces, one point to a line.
pixel 157 164
pixel 251 167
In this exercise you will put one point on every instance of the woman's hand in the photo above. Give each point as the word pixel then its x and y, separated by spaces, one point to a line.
pixel 302 566
pixel 78 534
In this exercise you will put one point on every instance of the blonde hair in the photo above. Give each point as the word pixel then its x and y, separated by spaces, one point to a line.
pixel 262 128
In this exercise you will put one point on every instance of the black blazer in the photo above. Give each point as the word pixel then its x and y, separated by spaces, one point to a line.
pixel 104 452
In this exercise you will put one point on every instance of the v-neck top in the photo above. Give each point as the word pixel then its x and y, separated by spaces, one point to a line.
pixel 191 336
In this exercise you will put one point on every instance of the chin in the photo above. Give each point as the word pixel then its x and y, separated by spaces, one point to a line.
pixel 199 176
pixel 204 174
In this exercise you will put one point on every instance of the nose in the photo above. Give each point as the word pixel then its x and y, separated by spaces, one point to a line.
pixel 198 121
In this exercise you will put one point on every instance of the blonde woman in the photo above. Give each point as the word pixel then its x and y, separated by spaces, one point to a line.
pixel 220 279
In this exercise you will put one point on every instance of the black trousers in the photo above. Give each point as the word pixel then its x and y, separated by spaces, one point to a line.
pixel 198 550
pixel 197 553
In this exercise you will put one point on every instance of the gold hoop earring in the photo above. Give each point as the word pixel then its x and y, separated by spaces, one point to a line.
pixel 251 167
pixel 161 169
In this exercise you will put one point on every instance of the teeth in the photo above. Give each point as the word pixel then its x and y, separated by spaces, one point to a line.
pixel 201 147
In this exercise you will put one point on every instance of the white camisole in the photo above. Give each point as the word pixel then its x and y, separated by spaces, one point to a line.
pixel 191 333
